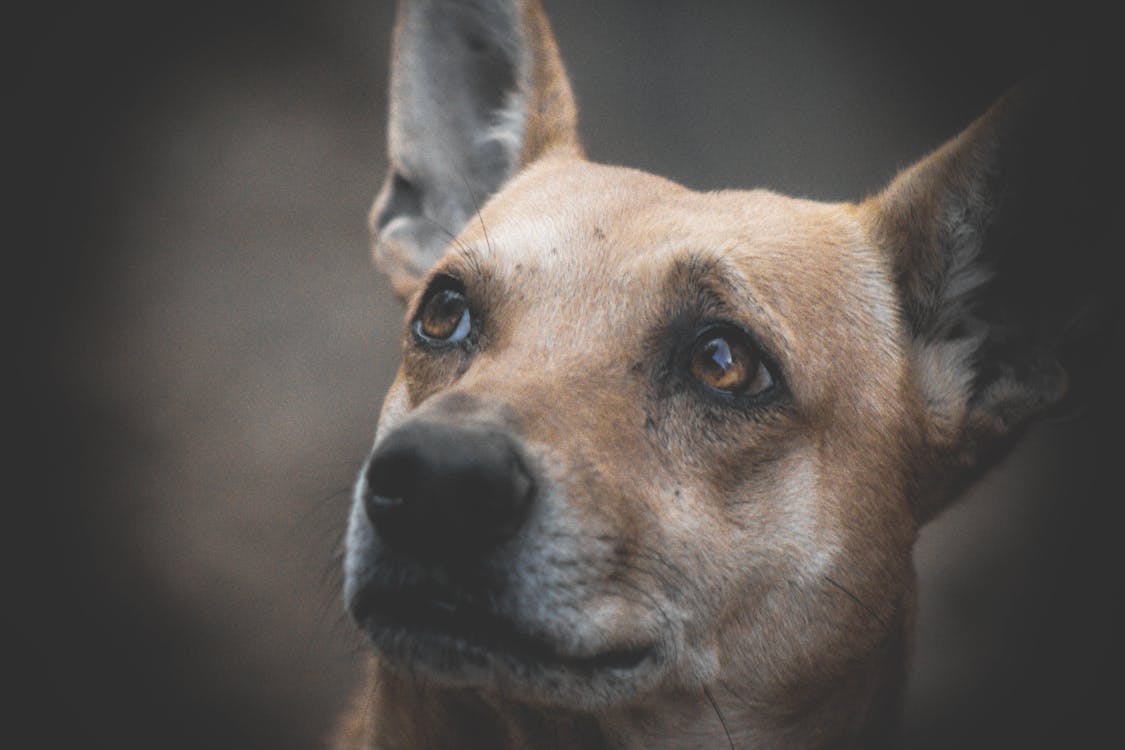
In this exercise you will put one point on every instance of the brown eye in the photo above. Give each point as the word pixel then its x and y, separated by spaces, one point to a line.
pixel 444 317
pixel 727 361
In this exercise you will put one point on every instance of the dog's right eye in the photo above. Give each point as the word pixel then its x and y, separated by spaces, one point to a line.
pixel 444 317
pixel 726 360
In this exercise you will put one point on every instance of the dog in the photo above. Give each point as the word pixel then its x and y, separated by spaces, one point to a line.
pixel 653 466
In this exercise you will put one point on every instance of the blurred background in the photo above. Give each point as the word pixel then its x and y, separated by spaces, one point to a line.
pixel 207 344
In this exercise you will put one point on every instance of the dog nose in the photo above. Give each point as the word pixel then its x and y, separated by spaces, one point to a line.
pixel 437 492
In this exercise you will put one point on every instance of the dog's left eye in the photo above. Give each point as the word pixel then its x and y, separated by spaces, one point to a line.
pixel 726 360
pixel 444 317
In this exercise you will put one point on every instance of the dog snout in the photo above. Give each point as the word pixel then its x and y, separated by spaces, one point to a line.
pixel 438 492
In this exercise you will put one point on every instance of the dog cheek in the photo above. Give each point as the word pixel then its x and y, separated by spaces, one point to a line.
pixel 424 374
pixel 774 533
pixel 805 521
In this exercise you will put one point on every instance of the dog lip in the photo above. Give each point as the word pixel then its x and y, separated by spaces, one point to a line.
pixel 409 621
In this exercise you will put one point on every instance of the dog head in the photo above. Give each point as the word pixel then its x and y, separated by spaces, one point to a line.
pixel 645 438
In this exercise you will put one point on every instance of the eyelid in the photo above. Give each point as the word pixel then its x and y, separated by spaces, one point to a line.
pixel 436 284
pixel 731 301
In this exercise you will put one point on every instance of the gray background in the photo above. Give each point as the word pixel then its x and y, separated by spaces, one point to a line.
pixel 208 344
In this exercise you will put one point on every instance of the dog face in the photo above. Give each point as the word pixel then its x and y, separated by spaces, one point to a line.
pixel 646 439
pixel 664 366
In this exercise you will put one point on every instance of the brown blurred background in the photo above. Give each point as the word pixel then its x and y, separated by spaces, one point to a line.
pixel 207 344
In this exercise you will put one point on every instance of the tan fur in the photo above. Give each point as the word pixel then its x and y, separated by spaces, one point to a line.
pixel 768 556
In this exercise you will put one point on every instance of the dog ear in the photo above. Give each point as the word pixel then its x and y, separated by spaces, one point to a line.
pixel 994 242
pixel 478 91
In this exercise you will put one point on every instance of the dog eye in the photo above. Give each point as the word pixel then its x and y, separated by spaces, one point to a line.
pixel 444 317
pixel 726 360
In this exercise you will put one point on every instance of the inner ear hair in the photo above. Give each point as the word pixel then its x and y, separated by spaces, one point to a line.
pixel 999 243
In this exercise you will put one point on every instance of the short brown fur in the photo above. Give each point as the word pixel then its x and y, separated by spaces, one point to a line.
pixel 764 548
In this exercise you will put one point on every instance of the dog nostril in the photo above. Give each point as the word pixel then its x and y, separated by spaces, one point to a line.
pixel 441 492
pixel 381 506
pixel 388 480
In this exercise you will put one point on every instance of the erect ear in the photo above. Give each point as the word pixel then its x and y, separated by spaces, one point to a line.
pixel 995 241
pixel 477 91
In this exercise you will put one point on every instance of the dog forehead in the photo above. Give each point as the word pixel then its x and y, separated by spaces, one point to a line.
pixel 577 213
pixel 611 232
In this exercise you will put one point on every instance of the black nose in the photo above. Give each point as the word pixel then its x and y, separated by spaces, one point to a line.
pixel 439 492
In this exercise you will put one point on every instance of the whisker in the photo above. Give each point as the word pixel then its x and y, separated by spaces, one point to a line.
pixel 652 554
pixel 656 606
pixel 452 237
pixel 743 700
pixel 714 705
pixel 480 218
pixel 858 601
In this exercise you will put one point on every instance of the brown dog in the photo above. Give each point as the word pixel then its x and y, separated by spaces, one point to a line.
pixel 654 464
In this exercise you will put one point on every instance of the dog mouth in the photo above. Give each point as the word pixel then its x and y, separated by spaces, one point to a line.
pixel 449 633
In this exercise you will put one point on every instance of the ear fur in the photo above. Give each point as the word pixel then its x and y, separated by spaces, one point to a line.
pixel 994 240
pixel 477 91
